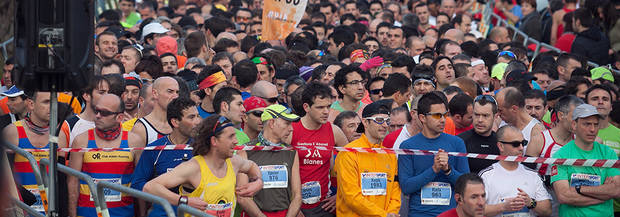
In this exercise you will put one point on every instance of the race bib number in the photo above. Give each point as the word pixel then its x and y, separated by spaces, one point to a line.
pixel 220 210
pixel 584 179
pixel 436 193
pixel 109 194
pixel 38 206
pixel 311 192
pixel 374 184
pixel 274 176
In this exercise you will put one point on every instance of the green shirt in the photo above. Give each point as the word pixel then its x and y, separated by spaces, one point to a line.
pixel 242 138
pixel 336 106
pixel 131 20
pixel 611 138
pixel 598 151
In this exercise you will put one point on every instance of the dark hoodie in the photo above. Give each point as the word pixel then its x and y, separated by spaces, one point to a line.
pixel 593 44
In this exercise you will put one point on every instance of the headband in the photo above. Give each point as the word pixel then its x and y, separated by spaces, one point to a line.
pixel 477 62
pixel 212 80
pixel 423 79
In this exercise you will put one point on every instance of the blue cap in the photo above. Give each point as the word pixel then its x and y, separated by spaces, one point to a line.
pixel 13 92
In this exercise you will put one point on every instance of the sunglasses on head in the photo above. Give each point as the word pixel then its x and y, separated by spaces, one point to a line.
pixel 516 144
pixel 507 53
pixel 222 123
pixel 375 91
pixel 379 120
pixel 105 113
pixel 255 113
pixel 437 115
pixel 485 98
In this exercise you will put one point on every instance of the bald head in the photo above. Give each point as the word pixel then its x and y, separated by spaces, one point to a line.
pixel 499 35
pixel 508 133
pixel 111 102
pixel 162 82
pixel 227 35
pixel 455 35
pixel 264 89
pixel 511 96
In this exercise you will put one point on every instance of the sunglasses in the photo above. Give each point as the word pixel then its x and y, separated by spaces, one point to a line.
pixel 222 123
pixel 507 53
pixel 356 82
pixel 255 113
pixel 375 91
pixel 437 115
pixel 516 144
pixel 270 100
pixel 379 120
pixel 105 113
pixel 483 99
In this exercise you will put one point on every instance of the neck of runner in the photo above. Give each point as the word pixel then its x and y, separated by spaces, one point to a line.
pixel 603 123
pixel 177 138
pixel 89 113
pixel 509 165
pixel 522 120
pixel 583 145
pixel 36 126
pixel 428 133
pixel 109 134
pixel 349 104
pixel 267 137
pixel 207 105
pixel 561 136
pixel 310 124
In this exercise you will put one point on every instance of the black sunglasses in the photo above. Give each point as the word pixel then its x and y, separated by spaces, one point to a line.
pixel 271 100
pixel 105 113
pixel 255 113
pixel 516 144
pixel 375 91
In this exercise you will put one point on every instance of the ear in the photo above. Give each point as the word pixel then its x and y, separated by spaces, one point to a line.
pixel 174 122
pixel 341 88
pixel 120 117
pixel 224 107
pixel 457 197
pixel 422 118
pixel 86 97
pixel 306 107
pixel 500 147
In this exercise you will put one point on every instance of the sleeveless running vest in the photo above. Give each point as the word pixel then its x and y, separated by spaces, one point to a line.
pixel 550 147
pixel 313 164
pixel 219 193
pixel 152 134
pixel 115 167
pixel 23 171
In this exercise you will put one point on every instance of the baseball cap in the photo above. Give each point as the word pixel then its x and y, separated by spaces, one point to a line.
pixel 584 111
pixel 166 44
pixel 378 107
pixel 254 102
pixel 278 111
pixel 153 28
pixel 602 72
pixel 519 75
pixel 498 70
pixel 13 92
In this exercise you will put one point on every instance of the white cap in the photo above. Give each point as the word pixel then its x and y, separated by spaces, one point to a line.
pixel 153 28
pixel 477 62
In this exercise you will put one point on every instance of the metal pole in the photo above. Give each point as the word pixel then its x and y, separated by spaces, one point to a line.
pixel 53 188
pixel 26 208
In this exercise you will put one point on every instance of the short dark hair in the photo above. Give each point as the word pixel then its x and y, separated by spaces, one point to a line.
pixel 343 34
pixel 584 16
pixel 108 63
pixel 564 57
pixel 340 79
pixel 484 101
pixel 404 109
pixel 207 71
pixel 152 65
pixel 536 94
pixel 459 103
pixel 514 97
pixel 94 83
pixel 564 103
pixel 102 34
pixel 373 80
pixel 396 82
pixel 314 90
pixel 463 180
pixel 117 84
pixel 110 15
pixel 328 4
pixel 175 108
pixel 344 116
pixel 404 60
pixel 217 25
pixel 428 99
pixel 573 84
pixel 227 95
pixel 193 43
pixel 245 73
pixel 606 88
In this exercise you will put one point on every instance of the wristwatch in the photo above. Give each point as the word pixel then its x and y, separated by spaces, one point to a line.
pixel 182 200
pixel 532 204
pixel 578 189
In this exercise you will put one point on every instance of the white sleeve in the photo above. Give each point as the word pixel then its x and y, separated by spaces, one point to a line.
pixel 541 191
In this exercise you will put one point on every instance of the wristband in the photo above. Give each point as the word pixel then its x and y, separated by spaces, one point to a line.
pixel 532 204
pixel 182 200
pixel 578 189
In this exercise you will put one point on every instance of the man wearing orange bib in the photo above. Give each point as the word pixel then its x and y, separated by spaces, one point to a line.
pixel 214 189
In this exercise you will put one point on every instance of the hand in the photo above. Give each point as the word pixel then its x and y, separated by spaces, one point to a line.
pixel 436 164
pixel 250 189
pixel 513 204
pixel 372 63
pixel 330 204
pixel 526 198
pixel 443 160
pixel 197 203
pixel 393 215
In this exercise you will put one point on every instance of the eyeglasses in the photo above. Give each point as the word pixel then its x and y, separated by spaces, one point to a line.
pixel 270 100
pixel 222 123
pixel 437 115
pixel 375 91
pixel 105 113
pixel 507 53
pixel 483 99
pixel 255 113
pixel 516 144
pixel 379 120
pixel 356 82
pixel 242 19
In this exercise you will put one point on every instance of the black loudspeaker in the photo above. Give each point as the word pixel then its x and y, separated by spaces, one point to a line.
pixel 54 44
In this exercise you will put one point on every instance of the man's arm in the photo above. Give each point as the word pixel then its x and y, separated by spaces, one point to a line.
pixel 75 162
pixel 536 143
pixel 252 171
pixel 607 191
pixel 395 199
pixel 181 174
pixel 247 203
pixel 510 204
pixel 295 183
pixel 412 183
pixel 348 185
pixel 568 195
pixel 556 19
pixel 135 141
pixel 543 208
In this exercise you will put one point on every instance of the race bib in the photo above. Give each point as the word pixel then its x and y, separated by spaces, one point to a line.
pixel 436 193
pixel 220 210
pixel 38 206
pixel 524 212
pixel 274 176
pixel 311 192
pixel 584 179
pixel 109 194
pixel 374 184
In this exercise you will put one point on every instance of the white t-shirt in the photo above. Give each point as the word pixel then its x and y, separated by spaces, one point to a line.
pixel 80 127
pixel 500 184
